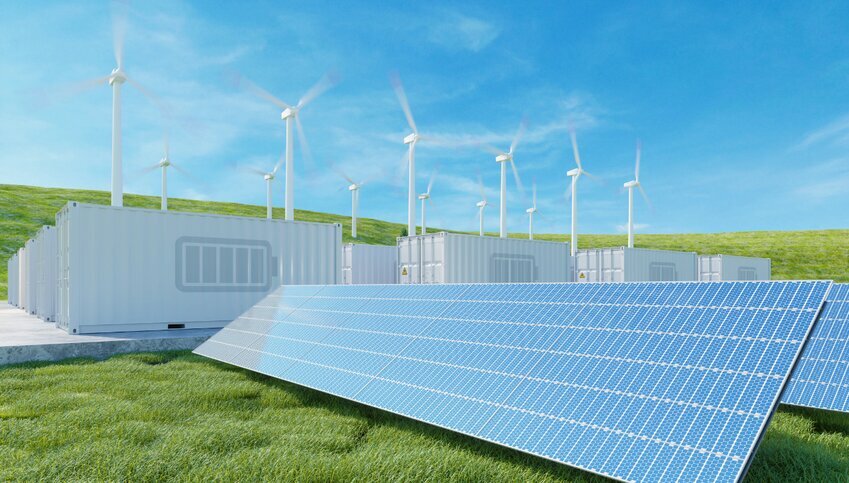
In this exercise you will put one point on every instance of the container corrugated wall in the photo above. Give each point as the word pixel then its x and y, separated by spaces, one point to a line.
pixel 22 278
pixel 635 265
pixel 369 264
pixel 46 273
pixel 135 269
pixel 32 276
pixel 733 268
pixel 12 280
pixel 454 258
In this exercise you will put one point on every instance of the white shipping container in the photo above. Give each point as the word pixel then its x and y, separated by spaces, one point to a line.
pixel 369 264
pixel 134 269
pixel 12 280
pixel 452 258
pixel 47 283
pixel 22 278
pixel 31 276
pixel 715 268
pixel 634 265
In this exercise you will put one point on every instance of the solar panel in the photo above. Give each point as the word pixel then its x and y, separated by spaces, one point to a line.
pixel 821 379
pixel 635 381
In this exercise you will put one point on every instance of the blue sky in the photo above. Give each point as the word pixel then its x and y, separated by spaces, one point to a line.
pixel 743 110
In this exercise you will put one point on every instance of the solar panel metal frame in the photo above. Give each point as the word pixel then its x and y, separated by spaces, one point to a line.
pixel 746 460
pixel 808 384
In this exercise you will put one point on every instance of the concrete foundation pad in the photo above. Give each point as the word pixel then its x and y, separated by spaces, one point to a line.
pixel 25 338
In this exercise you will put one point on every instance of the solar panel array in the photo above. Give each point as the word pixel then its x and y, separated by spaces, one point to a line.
pixel 821 379
pixel 636 381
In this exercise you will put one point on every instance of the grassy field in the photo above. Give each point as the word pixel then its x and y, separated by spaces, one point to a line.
pixel 177 416
pixel 820 254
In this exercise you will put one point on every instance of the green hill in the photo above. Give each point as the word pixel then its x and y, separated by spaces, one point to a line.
pixel 822 254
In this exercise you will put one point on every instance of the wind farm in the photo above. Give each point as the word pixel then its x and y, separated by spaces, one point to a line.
pixel 693 337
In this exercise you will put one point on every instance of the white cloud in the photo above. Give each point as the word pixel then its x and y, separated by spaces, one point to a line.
pixel 835 131
pixel 637 227
pixel 460 32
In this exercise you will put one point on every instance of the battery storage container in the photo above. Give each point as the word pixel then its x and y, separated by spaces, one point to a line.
pixel 369 264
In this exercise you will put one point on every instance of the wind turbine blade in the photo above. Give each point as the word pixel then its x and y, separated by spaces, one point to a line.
pixel 326 82
pixel 252 170
pixel 182 171
pixel 148 169
pixel 491 149
pixel 523 124
pixel 430 183
pixel 46 97
pixel 402 98
pixel 637 166
pixel 575 152
pixel 645 196
pixel 153 98
pixel 338 170
pixel 305 148
pixel 518 180
pixel 166 144
pixel 278 165
pixel 119 30
pixel 534 188
pixel 241 81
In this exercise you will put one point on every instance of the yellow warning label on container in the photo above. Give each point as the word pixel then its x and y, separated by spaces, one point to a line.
pixel 403 270
pixel 581 275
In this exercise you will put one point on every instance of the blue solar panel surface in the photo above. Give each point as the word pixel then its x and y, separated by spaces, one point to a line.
pixel 636 381
pixel 821 378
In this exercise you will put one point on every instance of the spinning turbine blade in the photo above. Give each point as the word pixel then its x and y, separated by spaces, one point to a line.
pixel 341 173
pixel 575 152
pixel 305 148
pixel 278 165
pixel 645 196
pixel 46 97
pixel 326 82
pixel 534 188
pixel 402 98
pixel 491 149
pixel 119 30
pixel 430 183
pixel 518 180
pixel 245 83
pixel 518 137
pixel 637 167
pixel 153 98
pixel 480 188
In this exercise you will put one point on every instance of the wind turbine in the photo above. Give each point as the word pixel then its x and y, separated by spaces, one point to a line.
pixel 290 114
pixel 530 211
pixel 424 197
pixel 482 203
pixel 575 174
pixel 410 140
pixel 269 178
pixel 503 158
pixel 354 188
pixel 164 164
pixel 630 185
pixel 115 79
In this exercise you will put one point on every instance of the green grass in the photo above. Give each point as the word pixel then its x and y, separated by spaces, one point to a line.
pixel 822 254
pixel 177 416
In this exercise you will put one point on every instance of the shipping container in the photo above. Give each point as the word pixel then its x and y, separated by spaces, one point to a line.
pixel 12 280
pixel 46 284
pixel 452 258
pixel 715 268
pixel 134 269
pixel 31 276
pixel 634 265
pixel 22 278
pixel 369 264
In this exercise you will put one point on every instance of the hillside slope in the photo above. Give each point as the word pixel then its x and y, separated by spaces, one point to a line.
pixel 820 254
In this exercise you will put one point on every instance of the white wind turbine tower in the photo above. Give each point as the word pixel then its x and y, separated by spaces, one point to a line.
pixel 630 185
pixel 482 204
pixel 289 114
pixel 503 158
pixel 575 174
pixel 424 197
pixel 354 188
pixel 164 164
pixel 530 211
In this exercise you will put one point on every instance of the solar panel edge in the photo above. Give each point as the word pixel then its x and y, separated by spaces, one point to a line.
pixel 777 400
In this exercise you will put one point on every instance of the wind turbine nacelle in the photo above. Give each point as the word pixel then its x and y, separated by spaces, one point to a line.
pixel 289 112
pixel 411 138
pixel 503 157
pixel 573 172
pixel 117 77
pixel 353 187
pixel 531 210
pixel 481 204
pixel 424 196
pixel 268 177
pixel 631 184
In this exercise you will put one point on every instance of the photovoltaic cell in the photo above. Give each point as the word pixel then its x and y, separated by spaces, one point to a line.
pixel 821 378
pixel 636 381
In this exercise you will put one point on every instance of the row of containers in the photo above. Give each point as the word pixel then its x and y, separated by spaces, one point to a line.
pixel 457 258
pixel 109 269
